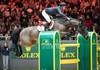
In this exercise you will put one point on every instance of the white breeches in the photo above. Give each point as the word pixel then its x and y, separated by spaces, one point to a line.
pixel 46 16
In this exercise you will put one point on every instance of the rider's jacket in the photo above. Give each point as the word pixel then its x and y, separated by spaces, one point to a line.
pixel 54 11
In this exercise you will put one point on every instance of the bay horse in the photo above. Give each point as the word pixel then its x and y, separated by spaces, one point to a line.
pixel 28 36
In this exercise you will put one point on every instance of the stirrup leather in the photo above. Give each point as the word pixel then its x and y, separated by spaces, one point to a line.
pixel 52 24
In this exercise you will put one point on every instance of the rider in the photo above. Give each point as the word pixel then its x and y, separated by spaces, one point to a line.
pixel 47 12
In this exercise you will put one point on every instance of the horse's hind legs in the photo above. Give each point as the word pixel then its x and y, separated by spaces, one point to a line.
pixel 18 50
pixel 27 43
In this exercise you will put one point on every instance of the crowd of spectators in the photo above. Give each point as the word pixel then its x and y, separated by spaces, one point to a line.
pixel 23 13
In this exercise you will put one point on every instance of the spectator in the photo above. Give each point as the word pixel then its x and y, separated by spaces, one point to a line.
pixel 88 23
pixel 75 12
pixel 5 1
pixel 19 4
pixel 2 29
pixel 24 19
pixel 5 53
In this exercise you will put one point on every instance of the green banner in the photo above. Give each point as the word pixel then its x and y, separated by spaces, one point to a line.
pixel 87 52
pixel 49 50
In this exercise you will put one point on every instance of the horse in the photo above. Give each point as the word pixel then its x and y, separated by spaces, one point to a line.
pixel 29 35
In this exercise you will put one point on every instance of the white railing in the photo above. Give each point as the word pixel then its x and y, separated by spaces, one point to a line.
pixel 5 37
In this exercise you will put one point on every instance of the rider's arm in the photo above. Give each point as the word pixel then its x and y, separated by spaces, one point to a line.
pixel 62 14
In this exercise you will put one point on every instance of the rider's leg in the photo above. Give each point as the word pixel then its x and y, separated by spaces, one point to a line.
pixel 47 18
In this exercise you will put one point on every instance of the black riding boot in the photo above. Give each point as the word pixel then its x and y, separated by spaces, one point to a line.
pixel 48 26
